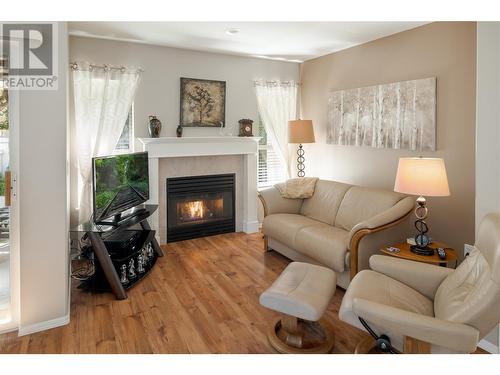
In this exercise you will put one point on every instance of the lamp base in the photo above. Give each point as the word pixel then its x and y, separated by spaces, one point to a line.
pixel 300 162
pixel 421 250
pixel 422 240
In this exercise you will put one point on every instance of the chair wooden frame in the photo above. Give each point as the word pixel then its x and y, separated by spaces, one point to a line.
pixel 360 234
pixel 287 336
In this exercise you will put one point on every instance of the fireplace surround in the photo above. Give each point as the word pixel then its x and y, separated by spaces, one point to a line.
pixel 199 206
pixel 189 156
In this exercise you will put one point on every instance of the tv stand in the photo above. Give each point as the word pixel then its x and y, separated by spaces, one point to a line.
pixel 116 245
pixel 118 218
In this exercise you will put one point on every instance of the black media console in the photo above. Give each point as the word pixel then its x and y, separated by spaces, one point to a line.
pixel 124 252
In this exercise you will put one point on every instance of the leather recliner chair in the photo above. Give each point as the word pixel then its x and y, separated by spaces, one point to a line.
pixel 423 308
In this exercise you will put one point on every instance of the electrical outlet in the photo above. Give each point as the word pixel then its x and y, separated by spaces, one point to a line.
pixel 467 249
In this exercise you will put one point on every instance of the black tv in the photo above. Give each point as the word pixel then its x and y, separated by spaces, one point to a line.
pixel 120 182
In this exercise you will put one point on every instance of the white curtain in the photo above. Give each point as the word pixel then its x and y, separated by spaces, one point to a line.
pixel 277 102
pixel 103 98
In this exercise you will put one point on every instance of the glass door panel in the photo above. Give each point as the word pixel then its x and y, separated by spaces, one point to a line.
pixel 5 203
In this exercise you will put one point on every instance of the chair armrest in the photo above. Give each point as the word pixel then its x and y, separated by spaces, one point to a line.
pixel 390 218
pixel 274 203
pixel 424 278
pixel 455 336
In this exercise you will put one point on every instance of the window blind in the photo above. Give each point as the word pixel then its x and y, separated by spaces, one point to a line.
pixel 124 144
pixel 270 169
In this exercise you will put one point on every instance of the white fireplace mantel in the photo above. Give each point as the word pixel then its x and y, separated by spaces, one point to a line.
pixel 168 147
pixel 173 147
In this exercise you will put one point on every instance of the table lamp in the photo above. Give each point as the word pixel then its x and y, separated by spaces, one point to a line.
pixel 300 131
pixel 422 177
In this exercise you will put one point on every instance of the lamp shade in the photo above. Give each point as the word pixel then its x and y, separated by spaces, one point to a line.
pixel 300 131
pixel 422 176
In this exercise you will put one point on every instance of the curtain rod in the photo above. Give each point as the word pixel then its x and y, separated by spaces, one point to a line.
pixel 257 82
pixel 106 67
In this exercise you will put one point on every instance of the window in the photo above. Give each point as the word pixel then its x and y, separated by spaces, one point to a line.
pixel 270 169
pixel 126 142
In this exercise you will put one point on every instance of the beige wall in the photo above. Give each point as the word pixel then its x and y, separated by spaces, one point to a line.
pixel 444 50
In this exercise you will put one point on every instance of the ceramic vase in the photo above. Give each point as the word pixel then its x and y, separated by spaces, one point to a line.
pixel 154 127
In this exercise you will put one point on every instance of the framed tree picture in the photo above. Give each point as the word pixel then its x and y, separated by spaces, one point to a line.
pixel 203 103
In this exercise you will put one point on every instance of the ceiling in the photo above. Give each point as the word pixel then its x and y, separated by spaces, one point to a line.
pixel 289 41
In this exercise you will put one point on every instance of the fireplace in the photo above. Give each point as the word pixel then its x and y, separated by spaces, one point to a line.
pixel 199 206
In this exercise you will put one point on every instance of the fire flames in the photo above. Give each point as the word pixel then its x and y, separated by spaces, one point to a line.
pixel 200 209
pixel 195 210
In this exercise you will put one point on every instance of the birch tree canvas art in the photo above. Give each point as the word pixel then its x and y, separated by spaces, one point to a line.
pixel 400 115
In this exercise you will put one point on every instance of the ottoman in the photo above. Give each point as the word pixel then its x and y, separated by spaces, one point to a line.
pixel 301 294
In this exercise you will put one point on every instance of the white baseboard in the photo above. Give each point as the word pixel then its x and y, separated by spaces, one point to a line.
pixel 8 329
pixel 489 347
pixel 42 326
pixel 250 226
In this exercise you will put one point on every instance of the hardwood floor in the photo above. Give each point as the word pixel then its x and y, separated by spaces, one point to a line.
pixel 203 297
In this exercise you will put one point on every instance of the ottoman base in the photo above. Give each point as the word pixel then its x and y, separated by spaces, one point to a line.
pixel 290 335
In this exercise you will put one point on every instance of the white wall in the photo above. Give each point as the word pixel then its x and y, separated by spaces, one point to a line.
pixel 488 126
pixel 158 93
pixel 43 201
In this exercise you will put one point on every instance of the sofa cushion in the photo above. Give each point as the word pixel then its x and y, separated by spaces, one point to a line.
pixel 284 227
pixel 325 202
pixel 361 203
pixel 324 243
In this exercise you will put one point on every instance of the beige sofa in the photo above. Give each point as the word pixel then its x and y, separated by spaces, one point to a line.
pixel 339 227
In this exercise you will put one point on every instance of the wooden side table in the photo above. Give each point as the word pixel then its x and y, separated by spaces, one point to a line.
pixel 406 253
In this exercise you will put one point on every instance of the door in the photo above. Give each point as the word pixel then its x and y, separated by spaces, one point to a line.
pixel 8 203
